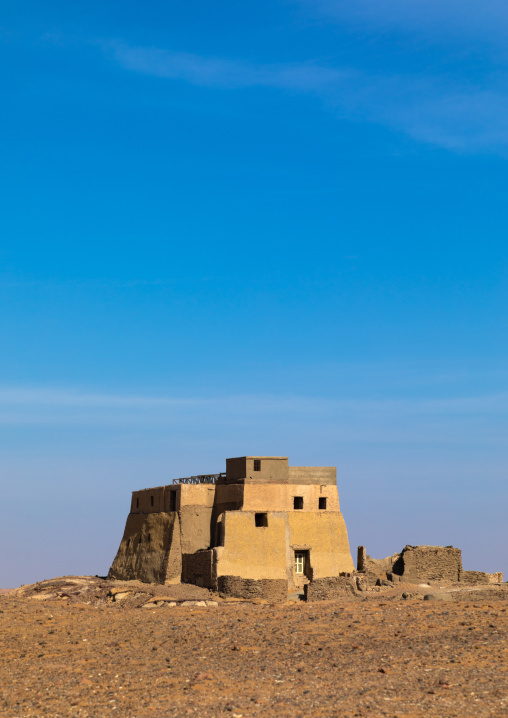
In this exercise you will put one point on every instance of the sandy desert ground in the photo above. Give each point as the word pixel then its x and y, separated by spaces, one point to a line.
pixel 80 646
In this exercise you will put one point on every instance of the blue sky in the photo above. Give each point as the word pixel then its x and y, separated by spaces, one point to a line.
pixel 253 228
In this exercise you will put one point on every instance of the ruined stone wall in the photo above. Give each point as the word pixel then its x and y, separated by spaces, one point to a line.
pixel 377 566
pixel 274 590
pixel 474 578
pixel 198 568
pixel 323 589
pixel 429 563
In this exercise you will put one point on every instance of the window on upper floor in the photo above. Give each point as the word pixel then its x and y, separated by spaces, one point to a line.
pixel 298 502
pixel 261 520
pixel 257 464
pixel 151 500
pixel 322 502
pixel 172 500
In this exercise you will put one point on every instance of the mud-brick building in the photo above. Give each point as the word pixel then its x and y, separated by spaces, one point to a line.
pixel 262 528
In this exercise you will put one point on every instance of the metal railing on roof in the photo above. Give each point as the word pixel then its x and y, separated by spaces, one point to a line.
pixel 200 479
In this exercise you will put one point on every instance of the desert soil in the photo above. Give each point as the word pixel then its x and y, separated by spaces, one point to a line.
pixel 70 649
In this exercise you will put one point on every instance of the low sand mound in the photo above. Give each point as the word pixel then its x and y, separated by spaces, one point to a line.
pixel 94 590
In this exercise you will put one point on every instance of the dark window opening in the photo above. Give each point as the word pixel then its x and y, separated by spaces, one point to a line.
pixel 172 500
pixel 139 539
pixel 220 533
pixel 261 519
pixel 151 500
pixel 149 538
pixel 322 502
pixel 137 503
pixel 298 502
pixel 257 464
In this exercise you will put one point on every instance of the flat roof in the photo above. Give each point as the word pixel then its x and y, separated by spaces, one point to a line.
pixel 285 458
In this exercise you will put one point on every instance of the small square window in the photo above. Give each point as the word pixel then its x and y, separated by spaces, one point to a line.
pixel 322 502
pixel 257 464
pixel 261 520
pixel 298 502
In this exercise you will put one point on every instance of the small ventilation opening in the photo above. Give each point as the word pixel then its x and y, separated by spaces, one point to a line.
pixel 261 520
pixel 322 502
pixel 257 464
pixel 137 503
pixel 151 500
pixel 298 502
pixel 149 538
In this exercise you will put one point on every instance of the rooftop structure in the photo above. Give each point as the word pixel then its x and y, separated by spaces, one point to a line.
pixel 262 528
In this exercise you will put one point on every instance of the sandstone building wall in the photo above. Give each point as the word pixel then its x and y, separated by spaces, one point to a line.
pixel 260 526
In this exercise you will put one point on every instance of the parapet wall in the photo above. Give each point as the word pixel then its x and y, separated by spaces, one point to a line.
pixel 317 475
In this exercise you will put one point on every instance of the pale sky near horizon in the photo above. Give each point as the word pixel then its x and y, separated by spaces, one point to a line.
pixel 273 228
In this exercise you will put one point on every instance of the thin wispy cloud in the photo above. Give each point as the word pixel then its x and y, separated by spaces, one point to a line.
pixel 436 110
pixel 437 18
pixel 41 400
pixel 82 283
pixel 224 73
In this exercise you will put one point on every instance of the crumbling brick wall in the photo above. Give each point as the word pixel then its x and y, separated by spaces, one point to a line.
pixel 429 563
pixel 474 578
pixel 322 589
pixel 275 590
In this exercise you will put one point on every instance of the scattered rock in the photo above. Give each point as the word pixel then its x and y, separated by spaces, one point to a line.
pixel 438 597
pixel 200 604
pixel 203 677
